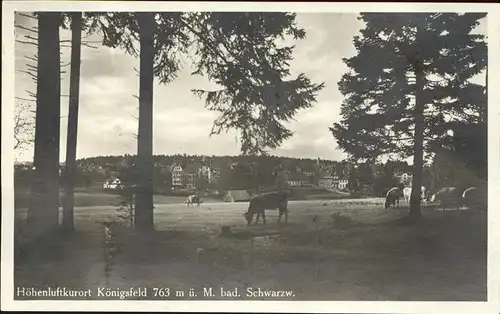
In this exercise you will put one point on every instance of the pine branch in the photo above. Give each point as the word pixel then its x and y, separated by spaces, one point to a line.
pixel 29 66
pixel 26 42
pixel 29 73
pixel 32 30
pixel 230 52
pixel 219 53
pixel 25 99
pixel 28 16
pixel 88 45
pixel 31 94
pixel 34 58
pixel 205 41
pixel 31 38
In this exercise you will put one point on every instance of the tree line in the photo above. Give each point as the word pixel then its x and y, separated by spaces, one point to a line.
pixel 234 172
pixel 261 172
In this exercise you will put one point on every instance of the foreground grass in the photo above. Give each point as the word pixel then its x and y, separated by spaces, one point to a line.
pixel 361 252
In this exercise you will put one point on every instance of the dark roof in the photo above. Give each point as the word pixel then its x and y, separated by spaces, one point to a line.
pixel 298 177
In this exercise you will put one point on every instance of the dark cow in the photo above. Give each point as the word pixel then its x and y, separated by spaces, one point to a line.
pixel 267 201
pixel 193 199
pixel 392 197
pixel 448 197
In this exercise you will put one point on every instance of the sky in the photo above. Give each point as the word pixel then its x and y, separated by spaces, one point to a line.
pixel 108 109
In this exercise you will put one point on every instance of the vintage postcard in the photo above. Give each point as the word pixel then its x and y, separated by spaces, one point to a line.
pixel 250 157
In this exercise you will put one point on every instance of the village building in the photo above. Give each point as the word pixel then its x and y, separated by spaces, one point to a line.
pixel 298 180
pixel 191 173
pixel 342 184
pixel 404 178
pixel 206 172
pixel 214 174
pixel 177 176
pixel 328 182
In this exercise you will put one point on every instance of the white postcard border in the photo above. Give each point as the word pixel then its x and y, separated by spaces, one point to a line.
pixel 492 306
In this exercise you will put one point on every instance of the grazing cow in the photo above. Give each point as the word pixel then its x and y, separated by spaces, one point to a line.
pixel 474 198
pixel 267 201
pixel 447 197
pixel 193 199
pixel 407 194
pixel 392 197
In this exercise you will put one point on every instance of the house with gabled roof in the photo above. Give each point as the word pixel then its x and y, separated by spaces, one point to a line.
pixel 236 196
pixel 298 179
pixel 404 178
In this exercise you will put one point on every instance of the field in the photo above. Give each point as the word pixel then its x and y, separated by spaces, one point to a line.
pixel 329 250
pixel 99 198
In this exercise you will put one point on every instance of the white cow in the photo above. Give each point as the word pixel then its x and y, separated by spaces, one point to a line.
pixel 407 194
pixel 193 199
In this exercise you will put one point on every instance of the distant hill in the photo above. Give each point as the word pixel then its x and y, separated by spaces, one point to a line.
pixel 292 164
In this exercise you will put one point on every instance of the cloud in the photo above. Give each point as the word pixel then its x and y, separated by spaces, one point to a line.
pixel 329 33
pixel 107 62
pixel 312 137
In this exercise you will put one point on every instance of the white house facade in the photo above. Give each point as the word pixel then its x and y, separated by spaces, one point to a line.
pixel 328 182
pixel 342 184
pixel 206 172
pixel 177 176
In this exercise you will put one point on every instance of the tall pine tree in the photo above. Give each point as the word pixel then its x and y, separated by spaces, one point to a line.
pixel 43 213
pixel 408 84
pixel 71 140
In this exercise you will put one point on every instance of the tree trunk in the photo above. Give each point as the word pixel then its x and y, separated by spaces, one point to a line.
pixel 418 147
pixel 484 173
pixel 484 117
pixel 144 205
pixel 74 95
pixel 43 213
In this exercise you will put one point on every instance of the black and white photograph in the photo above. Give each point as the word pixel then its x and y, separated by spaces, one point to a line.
pixel 245 151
